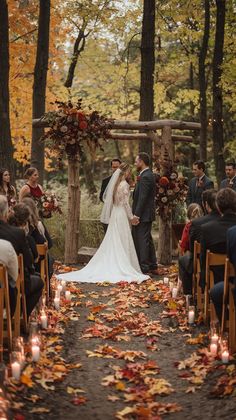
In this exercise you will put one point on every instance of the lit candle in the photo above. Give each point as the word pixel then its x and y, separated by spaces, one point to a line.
pixel 174 292
pixel 67 295
pixel 214 339
pixel 57 303
pixel 225 356
pixel 171 285
pixel 166 280
pixel 43 302
pixel 15 369
pixel 63 284
pixel 44 320
pixel 35 353
pixel 213 349
pixel 191 316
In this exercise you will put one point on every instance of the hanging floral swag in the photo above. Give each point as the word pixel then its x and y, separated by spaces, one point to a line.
pixel 71 126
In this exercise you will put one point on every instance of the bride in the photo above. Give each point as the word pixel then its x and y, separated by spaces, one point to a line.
pixel 115 259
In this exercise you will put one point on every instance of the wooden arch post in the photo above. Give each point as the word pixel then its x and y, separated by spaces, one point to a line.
pixel 73 212
pixel 165 223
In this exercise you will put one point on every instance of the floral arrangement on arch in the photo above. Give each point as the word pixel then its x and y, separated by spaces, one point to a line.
pixel 70 127
pixel 171 190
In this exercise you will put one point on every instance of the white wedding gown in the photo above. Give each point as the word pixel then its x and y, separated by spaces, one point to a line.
pixel 116 259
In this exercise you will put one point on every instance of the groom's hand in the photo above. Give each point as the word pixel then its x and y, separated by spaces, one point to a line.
pixel 135 221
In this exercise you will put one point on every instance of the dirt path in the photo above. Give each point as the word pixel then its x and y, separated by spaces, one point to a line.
pixel 135 313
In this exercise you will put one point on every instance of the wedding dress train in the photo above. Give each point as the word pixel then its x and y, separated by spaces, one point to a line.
pixel 116 259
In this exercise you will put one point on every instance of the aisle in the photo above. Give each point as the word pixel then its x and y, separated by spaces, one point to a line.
pixel 121 359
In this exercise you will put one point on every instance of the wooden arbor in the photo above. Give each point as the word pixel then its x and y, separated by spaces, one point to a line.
pixel 164 143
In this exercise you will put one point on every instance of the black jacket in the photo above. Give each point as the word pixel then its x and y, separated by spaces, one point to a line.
pixel 195 228
pixel 225 184
pixel 195 192
pixel 17 238
pixel 105 183
pixel 214 239
pixel 144 197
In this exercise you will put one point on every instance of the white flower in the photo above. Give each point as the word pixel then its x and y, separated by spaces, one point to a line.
pixel 64 129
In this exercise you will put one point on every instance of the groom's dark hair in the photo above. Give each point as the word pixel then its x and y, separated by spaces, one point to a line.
pixel 144 157
pixel 116 160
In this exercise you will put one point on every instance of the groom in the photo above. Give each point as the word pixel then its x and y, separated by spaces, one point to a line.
pixel 144 214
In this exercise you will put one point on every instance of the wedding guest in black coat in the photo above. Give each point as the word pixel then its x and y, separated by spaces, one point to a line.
pixel 115 164
pixel 214 234
pixel 144 214
pixel 16 236
pixel 198 184
pixel 217 292
pixel 230 180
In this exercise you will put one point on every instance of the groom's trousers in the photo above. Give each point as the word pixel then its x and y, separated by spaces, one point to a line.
pixel 144 246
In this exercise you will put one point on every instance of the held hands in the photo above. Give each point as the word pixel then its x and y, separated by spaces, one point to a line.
pixel 135 221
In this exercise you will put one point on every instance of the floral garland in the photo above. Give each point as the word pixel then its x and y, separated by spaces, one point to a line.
pixel 171 190
pixel 70 126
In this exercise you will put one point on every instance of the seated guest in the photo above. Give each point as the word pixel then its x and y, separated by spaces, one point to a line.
pixel 217 292
pixel 211 213
pixel 230 180
pixel 186 262
pixel 38 231
pixel 16 236
pixel 214 234
pixel 194 211
pixel 198 184
pixel 8 257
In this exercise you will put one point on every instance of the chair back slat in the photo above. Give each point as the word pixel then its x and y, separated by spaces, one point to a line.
pixel 229 306
pixel 5 303
pixel 43 254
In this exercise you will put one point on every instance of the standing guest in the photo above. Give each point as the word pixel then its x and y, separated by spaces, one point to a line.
pixel 32 188
pixel 8 257
pixel 144 214
pixel 33 284
pixel 214 234
pixel 198 184
pixel 230 180
pixel 6 188
pixel 115 164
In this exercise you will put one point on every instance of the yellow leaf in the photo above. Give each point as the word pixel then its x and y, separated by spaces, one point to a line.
pixel 71 390
pixel 120 386
pixel 26 380
pixel 40 410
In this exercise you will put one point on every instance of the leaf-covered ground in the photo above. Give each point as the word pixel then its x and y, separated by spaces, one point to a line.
pixel 124 351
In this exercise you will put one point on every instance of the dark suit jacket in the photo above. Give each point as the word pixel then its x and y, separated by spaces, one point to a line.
pixel 214 238
pixel 18 240
pixel 195 193
pixel 144 197
pixel 105 183
pixel 195 229
pixel 231 245
pixel 225 184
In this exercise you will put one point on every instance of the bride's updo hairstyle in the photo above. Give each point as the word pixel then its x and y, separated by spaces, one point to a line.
pixel 124 167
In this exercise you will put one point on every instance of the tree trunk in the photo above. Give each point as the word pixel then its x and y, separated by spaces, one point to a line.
pixel 218 126
pixel 147 68
pixel 40 84
pixel 88 176
pixel 6 147
pixel 165 224
pixel 203 82
pixel 78 48
pixel 73 213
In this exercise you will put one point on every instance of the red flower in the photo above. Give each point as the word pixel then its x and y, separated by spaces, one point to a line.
pixel 83 125
pixel 80 116
pixel 138 178
pixel 164 181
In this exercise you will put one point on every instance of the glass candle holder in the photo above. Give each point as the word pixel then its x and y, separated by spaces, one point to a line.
pixel 15 365
pixel 191 315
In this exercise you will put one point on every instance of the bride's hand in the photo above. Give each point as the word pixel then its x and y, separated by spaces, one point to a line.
pixel 135 221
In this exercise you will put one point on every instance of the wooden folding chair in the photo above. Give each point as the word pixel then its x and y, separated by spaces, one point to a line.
pixel 21 300
pixel 43 255
pixel 212 260
pixel 5 304
pixel 229 304
pixel 197 291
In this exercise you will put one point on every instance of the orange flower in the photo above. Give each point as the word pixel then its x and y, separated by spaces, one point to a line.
pixel 164 181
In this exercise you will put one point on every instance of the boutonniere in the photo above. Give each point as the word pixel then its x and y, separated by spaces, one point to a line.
pixel 138 178
pixel 200 183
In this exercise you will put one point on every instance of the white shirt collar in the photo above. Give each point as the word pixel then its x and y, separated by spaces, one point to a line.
pixel 145 169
